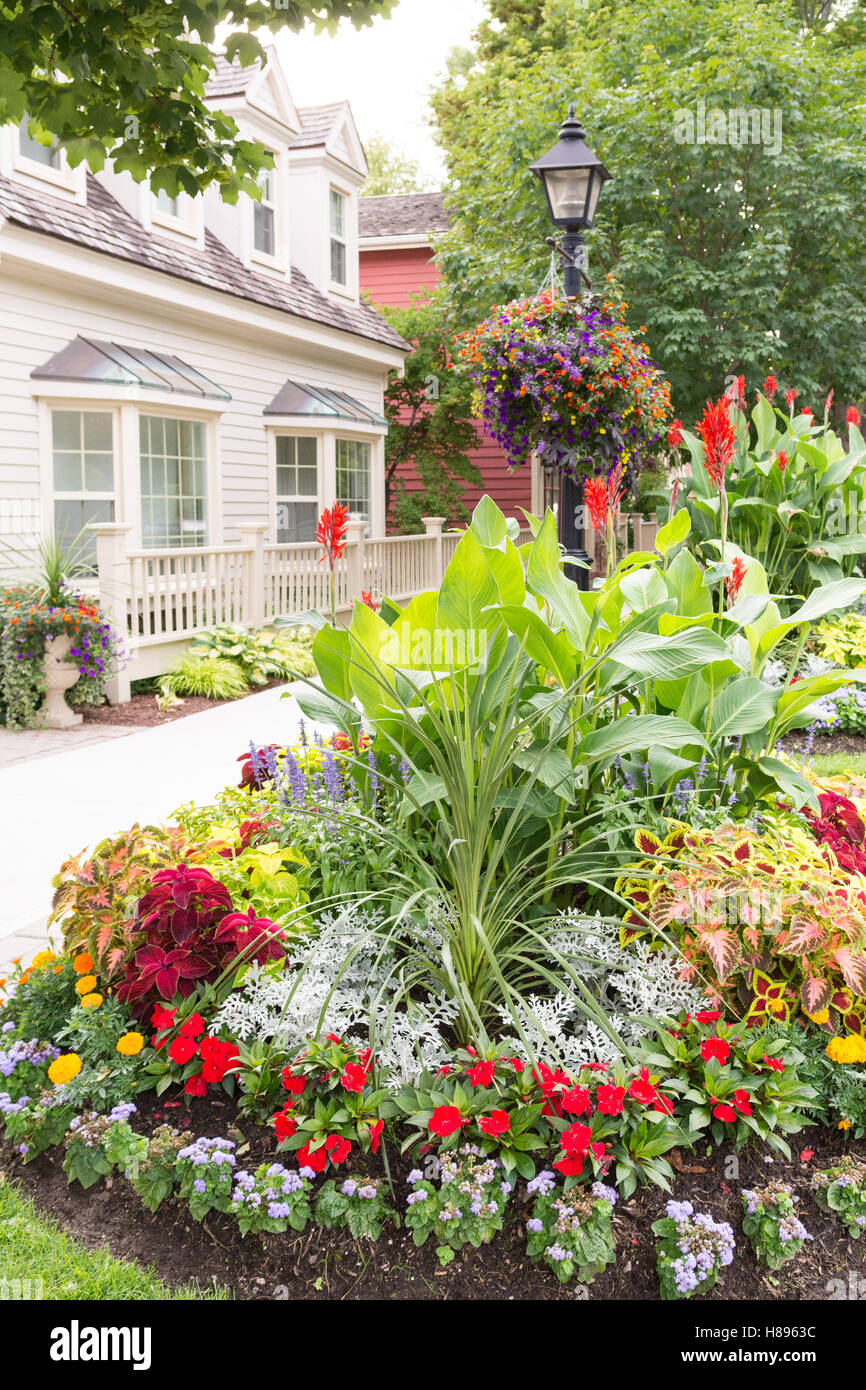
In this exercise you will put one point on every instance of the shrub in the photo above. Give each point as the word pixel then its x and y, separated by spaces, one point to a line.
pixel 213 679
pixel 261 656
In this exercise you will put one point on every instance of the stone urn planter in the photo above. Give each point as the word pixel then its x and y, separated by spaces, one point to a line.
pixel 60 676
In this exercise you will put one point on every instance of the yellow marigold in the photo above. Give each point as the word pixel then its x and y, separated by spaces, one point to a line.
pixel 42 958
pixel 822 1016
pixel 130 1044
pixel 83 963
pixel 846 1050
pixel 91 1001
pixel 64 1067
pixel 844 1124
pixel 86 984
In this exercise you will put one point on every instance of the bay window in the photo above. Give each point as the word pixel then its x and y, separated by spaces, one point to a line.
pixel 173 467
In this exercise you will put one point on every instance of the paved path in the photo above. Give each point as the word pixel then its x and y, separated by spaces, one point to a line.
pixel 56 804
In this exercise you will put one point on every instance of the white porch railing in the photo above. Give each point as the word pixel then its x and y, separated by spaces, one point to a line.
pixel 161 599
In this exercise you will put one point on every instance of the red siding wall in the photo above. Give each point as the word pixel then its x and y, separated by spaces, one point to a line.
pixel 392 277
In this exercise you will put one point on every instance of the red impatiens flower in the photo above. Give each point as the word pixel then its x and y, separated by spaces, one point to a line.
pixel 331 532
pixel 715 1049
pixel 482 1073
pixel 494 1124
pixel 291 1083
pixel 852 415
pixel 516 1063
pixel 571 1166
pixel 576 1101
pixel 192 1027
pixel 217 1057
pixel 609 1099
pixel 162 1017
pixel 576 1139
pixel 774 1063
pixel 726 1113
pixel 718 437
pixel 196 1085
pixel 708 1015
pixel 675 434
pixel 642 1089
pixel 308 1157
pixel 445 1120
pixel 354 1077
pixel 770 387
pixel 285 1124
pixel 338 1149
pixel 596 499
pixel 182 1050
pixel 742 1100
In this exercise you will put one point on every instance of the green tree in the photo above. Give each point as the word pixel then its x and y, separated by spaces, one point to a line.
pixel 127 80
pixel 391 171
pixel 738 257
pixel 430 423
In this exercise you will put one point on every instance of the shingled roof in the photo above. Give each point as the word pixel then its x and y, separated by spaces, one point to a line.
pixel 317 122
pixel 403 214
pixel 103 225
pixel 230 79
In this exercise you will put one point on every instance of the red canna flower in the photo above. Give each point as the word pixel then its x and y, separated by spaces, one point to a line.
pixel 717 433
pixel 782 460
pixel 615 488
pixel 331 532
pixel 852 415
pixel 736 392
pixel 596 498
pixel 734 582
pixel 675 434
pixel 770 387
pixel 790 397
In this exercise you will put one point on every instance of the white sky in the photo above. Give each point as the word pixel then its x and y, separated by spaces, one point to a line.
pixel 386 70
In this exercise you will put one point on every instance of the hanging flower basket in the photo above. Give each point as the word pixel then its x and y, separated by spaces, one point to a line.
pixel 568 380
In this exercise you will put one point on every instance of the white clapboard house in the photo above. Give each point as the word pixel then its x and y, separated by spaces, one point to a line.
pixel 197 379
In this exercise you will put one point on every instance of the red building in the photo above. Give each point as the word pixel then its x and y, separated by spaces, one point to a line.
pixel 396 258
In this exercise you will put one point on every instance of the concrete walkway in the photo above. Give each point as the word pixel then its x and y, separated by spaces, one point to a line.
pixel 56 804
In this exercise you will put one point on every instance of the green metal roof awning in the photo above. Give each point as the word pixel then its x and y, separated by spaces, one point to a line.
pixel 296 398
pixel 113 364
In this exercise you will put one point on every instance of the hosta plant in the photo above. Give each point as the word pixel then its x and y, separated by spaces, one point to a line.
pixel 272 1199
pixel 570 1230
pixel 358 1203
pixel 730 1082
pixel 772 1225
pixel 691 1252
pixel 465 1208
pixel 841 1189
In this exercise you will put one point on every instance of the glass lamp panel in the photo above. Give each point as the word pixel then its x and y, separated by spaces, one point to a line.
pixel 567 190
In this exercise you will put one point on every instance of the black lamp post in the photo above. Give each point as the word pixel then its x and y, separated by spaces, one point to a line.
pixel 572 177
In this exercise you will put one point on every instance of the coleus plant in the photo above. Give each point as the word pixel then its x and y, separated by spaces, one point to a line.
pixel 767 922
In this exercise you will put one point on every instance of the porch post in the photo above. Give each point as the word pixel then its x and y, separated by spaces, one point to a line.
pixel 433 526
pixel 253 536
pixel 112 568
pixel 354 560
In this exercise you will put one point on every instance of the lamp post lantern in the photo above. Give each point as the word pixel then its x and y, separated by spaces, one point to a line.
pixel 572 178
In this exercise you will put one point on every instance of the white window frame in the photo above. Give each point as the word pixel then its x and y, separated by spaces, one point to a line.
pixel 61 179
pixel 309 499
pixel 181 418
pixel 56 494
pixel 127 405
pixel 186 222
pixel 277 204
pixel 338 287
pixel 342 436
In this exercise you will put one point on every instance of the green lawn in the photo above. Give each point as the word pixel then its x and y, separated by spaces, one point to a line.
pixel 834 764
pixel 33 1249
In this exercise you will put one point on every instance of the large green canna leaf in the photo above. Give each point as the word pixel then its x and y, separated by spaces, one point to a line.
pixel 743 707
pixel 638 731
pixel 668 658
pixel 552 650
pixel 468 588
pixel 546 580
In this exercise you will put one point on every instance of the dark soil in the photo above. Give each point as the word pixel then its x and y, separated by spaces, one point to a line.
pixel 143 711
pixel 840 743
pixel 331 1265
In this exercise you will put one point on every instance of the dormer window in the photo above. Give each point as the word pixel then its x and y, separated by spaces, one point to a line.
pixel 339 239
pixel 30 148
pixel 265 215
pixel 166 206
